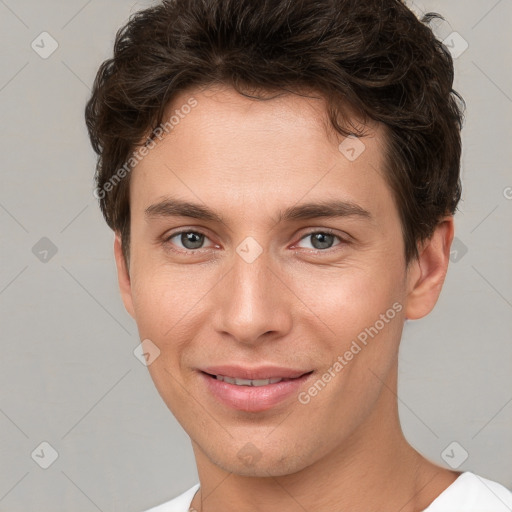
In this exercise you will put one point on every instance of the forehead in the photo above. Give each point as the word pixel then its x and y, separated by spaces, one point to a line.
pixel 232 151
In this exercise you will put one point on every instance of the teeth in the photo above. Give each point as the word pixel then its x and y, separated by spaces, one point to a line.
pixel 248 382
pixel 243 382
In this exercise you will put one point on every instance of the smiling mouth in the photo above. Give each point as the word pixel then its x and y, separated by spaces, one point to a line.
pixel 268 388
pixel 252 382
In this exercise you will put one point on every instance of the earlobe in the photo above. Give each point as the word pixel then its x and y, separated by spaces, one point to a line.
pixel 123 276
pixel 427 274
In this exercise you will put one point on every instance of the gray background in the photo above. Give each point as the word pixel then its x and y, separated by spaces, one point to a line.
pixel 68 375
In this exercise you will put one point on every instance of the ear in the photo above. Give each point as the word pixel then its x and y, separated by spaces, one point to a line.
pixel 123 276
pixel 425 276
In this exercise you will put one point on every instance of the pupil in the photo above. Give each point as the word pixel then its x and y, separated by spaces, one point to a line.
pixel 187 239
pixel 322 240
pixel 195 240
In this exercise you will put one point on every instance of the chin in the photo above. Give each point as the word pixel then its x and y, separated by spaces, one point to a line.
pixel 250 461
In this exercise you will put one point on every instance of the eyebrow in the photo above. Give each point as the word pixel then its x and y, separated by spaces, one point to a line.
pixel 172 207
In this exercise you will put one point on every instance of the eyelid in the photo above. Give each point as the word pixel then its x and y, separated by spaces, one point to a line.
pixel 167 237
pixel 344 239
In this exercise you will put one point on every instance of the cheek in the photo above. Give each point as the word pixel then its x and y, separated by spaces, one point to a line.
pixel 165 314
pixel 169 305
pixel 360 313
pixel 157 301
pixel 348 299
pixel 364 316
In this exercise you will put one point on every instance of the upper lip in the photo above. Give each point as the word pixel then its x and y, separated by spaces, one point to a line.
pixel 260 372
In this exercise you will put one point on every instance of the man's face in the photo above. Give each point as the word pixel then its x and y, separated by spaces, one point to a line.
pixel 259 293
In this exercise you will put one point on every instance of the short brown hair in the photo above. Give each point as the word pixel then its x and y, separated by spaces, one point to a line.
pixel 374 55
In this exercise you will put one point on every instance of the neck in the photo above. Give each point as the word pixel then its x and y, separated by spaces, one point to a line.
pixel 374 469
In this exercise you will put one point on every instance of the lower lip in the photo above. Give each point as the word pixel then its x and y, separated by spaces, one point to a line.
pixel 253 398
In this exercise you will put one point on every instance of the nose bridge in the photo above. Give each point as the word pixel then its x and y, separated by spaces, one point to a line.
pixel 252 301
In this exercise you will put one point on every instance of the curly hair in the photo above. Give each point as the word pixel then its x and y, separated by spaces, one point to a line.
pixel 374 56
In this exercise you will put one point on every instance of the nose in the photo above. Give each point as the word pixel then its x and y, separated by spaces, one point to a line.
pixel 254 302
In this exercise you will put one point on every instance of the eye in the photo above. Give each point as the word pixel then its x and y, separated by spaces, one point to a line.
pixel 321 240
pixel 189 240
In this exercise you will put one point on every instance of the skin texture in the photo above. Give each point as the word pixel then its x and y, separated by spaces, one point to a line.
pixel 293 306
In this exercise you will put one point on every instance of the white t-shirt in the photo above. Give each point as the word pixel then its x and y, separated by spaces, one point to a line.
pixel 469 493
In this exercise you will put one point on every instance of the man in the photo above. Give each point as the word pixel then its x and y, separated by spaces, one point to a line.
pixel 281 178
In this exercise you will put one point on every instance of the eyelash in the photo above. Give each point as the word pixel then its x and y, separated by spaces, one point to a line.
pixel 325 231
